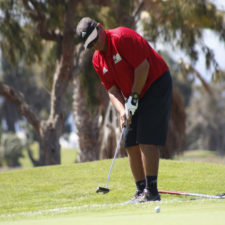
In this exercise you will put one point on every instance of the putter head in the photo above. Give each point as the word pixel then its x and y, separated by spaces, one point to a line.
pixel 102 190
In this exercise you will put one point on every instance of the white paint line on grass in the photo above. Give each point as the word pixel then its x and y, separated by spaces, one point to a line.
pixel 90 207
pixel 61 210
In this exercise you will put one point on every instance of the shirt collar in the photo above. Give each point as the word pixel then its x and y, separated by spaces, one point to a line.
pixel 108 39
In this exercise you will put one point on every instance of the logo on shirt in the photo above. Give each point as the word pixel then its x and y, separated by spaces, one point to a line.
pixel 117 58
pixel 83 34
pixel 105 70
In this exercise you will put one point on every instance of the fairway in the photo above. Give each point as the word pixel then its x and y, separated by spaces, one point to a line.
pixel 66 194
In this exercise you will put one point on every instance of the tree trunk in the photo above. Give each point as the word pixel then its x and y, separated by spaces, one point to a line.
pixel 110 134
pixel 49 131
pixel 88 125
pixel 50 143
pixel 10 116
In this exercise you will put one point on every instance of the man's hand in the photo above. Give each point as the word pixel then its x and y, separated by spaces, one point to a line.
pixel 131 105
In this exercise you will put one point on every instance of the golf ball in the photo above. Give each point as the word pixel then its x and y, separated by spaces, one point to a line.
pixel 157 209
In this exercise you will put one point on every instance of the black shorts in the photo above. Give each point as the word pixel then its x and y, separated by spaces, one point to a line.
pixel 149 124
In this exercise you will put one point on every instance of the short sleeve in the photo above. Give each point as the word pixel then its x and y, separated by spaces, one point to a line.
pixel 132 47
pixel 102 72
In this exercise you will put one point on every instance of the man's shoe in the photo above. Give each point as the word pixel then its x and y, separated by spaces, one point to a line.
pixel 136 196
pixel 147 196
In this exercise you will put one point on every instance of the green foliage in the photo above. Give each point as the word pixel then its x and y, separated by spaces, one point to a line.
pixel 34 46
pixel 116 13
pixel 21 77
pixel 12 43
pixel 181 23
pixel 20 38
pixel 219 76
pixel 10 150
pixel 183 80
pixel 88 79
pixel 54 11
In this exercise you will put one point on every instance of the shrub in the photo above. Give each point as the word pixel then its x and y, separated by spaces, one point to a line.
pixel 10 150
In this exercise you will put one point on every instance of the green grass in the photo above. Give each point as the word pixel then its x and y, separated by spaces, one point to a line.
pixel 65 194
pixel 201 156
pixel 68 156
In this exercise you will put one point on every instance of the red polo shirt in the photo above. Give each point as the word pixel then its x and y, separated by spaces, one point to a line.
pixel 126 49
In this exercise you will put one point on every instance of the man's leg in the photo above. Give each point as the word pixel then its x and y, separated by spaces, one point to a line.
pixel 136 165
pixel 135 160
pixel 150 158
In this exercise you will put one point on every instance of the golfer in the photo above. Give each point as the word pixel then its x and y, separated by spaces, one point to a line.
pixel 139 85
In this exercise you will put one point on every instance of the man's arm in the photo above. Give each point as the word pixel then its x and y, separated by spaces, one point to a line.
pixel 140 77
pixel 116 97
pixel 118 102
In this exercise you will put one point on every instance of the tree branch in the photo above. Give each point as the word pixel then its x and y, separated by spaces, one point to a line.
pixel 81 59
pixel 37 16
pixel 138 9
pixel 191 69
pixel 18 99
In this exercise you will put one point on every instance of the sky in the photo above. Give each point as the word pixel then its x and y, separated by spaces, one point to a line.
pixel 219 3
pixel 211 40
pixel 214 43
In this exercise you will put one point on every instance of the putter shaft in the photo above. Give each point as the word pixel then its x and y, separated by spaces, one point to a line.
pixel 106 190
pixel 115 155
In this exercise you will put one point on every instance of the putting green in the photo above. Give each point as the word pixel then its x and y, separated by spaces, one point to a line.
pixel 178 214
pixel 53 195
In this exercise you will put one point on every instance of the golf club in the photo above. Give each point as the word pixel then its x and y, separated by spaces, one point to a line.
pixel 219 196
pixel 105 190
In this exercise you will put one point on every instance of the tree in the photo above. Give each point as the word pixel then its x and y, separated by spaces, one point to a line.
pixel 182 24
pixel 23 28
pixel 30 27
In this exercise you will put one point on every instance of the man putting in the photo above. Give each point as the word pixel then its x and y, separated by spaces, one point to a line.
pixel 139 85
